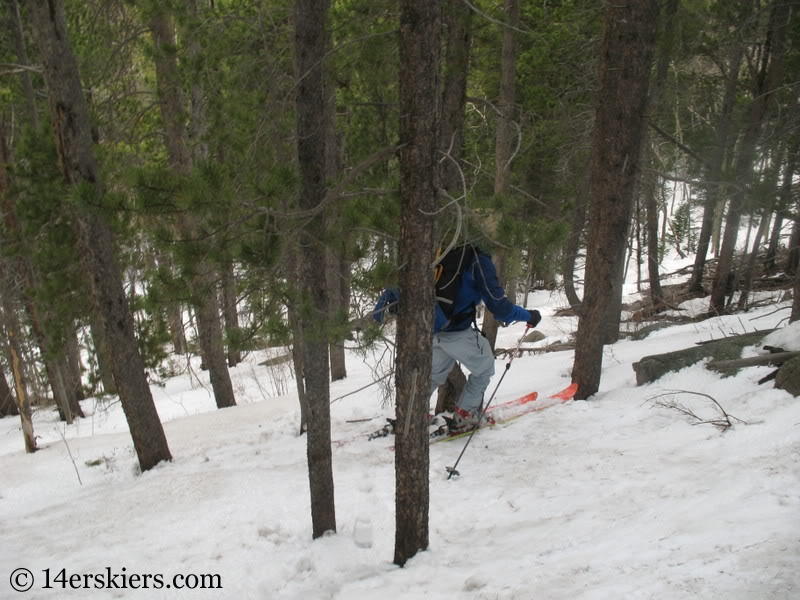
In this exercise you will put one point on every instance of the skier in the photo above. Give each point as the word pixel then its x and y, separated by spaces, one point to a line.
pixel 470 275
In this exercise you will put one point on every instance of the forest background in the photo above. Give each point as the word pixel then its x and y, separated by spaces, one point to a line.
pixel 215 177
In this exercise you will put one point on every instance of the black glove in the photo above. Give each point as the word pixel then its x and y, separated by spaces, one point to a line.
pixel 536 316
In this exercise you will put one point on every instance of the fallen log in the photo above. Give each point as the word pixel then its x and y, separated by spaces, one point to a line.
pixel 777 358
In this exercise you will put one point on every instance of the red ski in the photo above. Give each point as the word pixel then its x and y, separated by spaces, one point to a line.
pixel 505 412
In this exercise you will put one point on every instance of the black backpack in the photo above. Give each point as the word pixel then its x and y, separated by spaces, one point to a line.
pixel 447 277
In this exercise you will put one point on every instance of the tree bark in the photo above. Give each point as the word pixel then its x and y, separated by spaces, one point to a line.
pixel 310 36
pixel 72 130
pixel 504 149
pixel 420 28
pixel 626 52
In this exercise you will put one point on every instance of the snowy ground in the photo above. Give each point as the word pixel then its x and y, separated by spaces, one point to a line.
pixel 606 499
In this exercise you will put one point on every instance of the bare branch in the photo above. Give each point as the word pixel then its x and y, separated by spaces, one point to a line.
pixel 724 422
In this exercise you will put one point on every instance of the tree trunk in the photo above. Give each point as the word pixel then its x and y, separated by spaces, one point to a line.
pixel 74 364
pixel 626 53
pixel 298 347
pixel 795 315
pixel 771 175
pixel 72 129
pixel 458 29
pixel 229 304
pixel 793 256
pixel 337 313
pixel 457 40
pixel 198 125
pixel 22 58
pixel 715 188
pixel 650 186
pixel 770 78
pixel 573 244
pixel 27 275
pixel 420 28
pixel 504 148
pixel 23 402
pixel 336 263
pixel 310 36
pixel 203 280
pixel 8 405
pixel 102 354
pixel 784 202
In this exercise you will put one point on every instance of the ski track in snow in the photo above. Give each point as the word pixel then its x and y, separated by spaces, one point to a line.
pixel 611 498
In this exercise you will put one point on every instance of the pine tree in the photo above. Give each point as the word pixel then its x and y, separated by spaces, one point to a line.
pixel 71 126
pixel 626 52
pixel 420 25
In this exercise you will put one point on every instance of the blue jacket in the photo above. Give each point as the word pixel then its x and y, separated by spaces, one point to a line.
pixel 478 283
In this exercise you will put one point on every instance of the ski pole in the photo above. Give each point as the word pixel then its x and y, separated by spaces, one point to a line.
pixel 452 470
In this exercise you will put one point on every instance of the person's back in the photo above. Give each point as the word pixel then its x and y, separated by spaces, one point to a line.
pixel 454 313
pixel 478 284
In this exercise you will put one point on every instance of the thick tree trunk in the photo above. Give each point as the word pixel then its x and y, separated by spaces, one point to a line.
pixel 310 36
pixel 504 149
pixel 72 129
pixel 768 81
pixel 420 27
pixel 626 53
pixel 204 294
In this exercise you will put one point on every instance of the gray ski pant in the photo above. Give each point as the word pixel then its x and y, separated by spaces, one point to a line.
pixel 474 353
